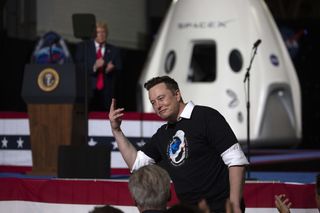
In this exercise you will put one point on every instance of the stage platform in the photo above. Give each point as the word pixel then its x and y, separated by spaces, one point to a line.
pixel 298 160
pixel 285 165
pixel 275 165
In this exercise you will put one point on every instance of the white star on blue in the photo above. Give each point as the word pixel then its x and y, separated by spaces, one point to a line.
pixel 20 143
pixel 4 143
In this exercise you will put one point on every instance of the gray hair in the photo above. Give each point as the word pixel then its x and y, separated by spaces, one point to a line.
pixel 150 187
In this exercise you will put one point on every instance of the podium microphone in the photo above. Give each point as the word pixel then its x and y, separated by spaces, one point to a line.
pixel 257 43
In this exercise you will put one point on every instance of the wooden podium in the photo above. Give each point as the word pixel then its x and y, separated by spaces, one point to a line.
pixel 54 97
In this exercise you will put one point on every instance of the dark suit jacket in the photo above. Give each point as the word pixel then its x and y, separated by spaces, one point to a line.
pixel 86 55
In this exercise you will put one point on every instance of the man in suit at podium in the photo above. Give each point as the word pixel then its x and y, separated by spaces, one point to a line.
pixel 103 64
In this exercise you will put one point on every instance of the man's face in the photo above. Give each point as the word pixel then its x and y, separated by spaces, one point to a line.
pixel 101 35
pixel 164 102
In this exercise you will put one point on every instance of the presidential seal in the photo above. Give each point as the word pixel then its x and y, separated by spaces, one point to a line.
pixel 48 80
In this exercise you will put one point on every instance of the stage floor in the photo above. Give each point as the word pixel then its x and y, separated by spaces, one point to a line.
pixel 278 165
pixel 284 165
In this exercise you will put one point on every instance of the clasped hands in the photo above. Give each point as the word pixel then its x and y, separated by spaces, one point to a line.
pixel 101 62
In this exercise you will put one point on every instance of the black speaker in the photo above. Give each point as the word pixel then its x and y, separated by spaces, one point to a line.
pixel 84 162
pixel 84 25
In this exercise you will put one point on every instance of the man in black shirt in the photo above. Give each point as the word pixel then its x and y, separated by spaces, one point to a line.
pixel 197 147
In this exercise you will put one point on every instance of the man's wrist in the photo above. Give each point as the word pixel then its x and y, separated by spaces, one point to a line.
pixel 235 203
pixel 116 130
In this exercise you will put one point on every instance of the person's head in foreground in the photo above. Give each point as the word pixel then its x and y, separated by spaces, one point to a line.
pixel 150 188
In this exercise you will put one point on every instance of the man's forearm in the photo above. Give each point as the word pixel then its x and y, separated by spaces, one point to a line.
pixel 127 150
pixel 236 178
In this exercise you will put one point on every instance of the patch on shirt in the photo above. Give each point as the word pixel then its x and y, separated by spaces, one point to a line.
pixel 177 150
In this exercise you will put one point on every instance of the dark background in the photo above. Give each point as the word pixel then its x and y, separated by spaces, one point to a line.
pixel 296 19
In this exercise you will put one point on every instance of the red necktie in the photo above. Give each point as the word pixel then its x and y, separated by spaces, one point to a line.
pixel 99 84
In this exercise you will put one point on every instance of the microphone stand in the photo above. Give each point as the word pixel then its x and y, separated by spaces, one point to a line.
pixel 84 67
pixel 86 99
pixel 247 79
pixel 55 41
pixel 50 53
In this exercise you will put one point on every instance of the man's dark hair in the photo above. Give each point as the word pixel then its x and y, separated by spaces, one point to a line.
pixel 183 207
pixel 105 209
pixel 170 83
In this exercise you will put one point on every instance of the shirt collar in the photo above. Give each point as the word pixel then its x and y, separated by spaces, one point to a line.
pixel 97 44
pixel 187 111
